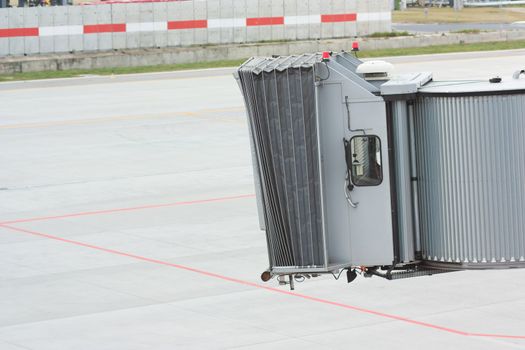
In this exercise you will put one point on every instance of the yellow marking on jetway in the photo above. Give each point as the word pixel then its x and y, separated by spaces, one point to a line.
pixel 87 121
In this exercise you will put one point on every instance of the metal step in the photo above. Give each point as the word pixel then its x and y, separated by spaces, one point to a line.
pixel 416 272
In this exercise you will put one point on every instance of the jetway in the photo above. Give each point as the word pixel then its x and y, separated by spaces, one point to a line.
pixel 361 170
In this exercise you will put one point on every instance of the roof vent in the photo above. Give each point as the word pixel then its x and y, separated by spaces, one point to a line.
pixel 375 70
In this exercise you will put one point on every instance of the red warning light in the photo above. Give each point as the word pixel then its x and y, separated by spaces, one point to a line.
pixel 355 46
pixel 326 56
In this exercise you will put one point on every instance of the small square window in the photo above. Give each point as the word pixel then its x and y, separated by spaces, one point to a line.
pixel 366 168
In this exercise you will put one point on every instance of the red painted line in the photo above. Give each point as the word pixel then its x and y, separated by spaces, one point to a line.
pixel 201 23
pixel 346 17
pixel 14 32
pixel 259 286
pixel 104 28
pixel 264 21
pixel 116 210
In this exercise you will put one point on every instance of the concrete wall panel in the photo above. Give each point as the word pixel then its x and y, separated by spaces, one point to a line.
pixel 89 17
pixel 226 14
pixel 291 12
pixel 303 19
pixel 277 11
pixel 314 9
pixel 214 21
pixel 4 24
pixel 186 13
pixel 16 20
pixel 61 29
pixel 265 10
pixel 147 26
pixel 338 7
pixel 60 24
pixel 373 15
pixel 76 22
pixel 200 35
pixel 132 16
pixel 239 26
pixel 174 13
pixel 362 25
pixel 105 40
pixel 327 29
pixel 31 43
pixel 350 27
pixel 160 15
pixel 252 10
pixel 4 19
pixel 118 16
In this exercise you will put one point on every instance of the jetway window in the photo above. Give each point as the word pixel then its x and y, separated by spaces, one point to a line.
pixel 366 167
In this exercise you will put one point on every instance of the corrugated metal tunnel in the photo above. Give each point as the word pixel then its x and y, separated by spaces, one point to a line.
pixel 471 171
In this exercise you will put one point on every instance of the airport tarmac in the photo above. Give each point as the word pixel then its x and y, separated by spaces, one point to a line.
pixel 128 221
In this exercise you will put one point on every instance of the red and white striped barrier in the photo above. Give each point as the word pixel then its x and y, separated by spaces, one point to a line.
pixel 45 31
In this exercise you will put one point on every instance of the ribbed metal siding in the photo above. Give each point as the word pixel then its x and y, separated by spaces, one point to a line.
pixel 281 105
pixel 471 166
pixel 403 182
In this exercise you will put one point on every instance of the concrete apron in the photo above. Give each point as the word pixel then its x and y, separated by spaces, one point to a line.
pixel 162 56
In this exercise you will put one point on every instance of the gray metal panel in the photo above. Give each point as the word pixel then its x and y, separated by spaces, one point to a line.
pixel 471 166
pixel 403 182
pixel 350 63
pixel 256 166
pixel 473 87
pixel 354 235
pixel 406 83
pixel 336 213
pixel 371 221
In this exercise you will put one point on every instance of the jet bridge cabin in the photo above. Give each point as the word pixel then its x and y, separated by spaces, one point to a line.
pixel 360 170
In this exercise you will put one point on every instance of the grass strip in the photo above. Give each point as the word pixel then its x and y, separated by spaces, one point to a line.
pixel 118 70
pixel 389 34
pixel 489 46
pixel 436 49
